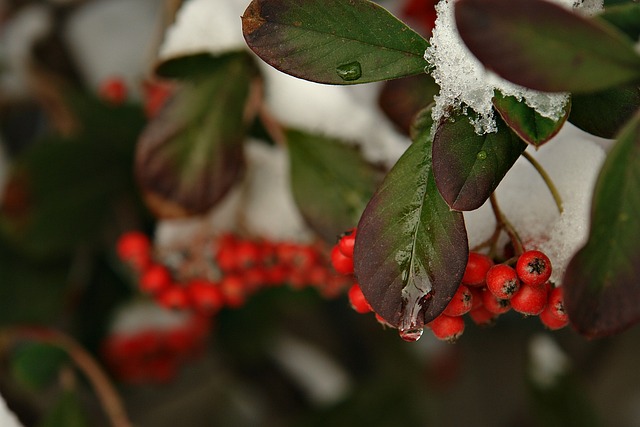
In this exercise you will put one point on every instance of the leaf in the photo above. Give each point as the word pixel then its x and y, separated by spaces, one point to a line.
pixel 604 113
pixel 331 182
pixel 333 41
pixel 625 17
pixel 468 167
pixel 67 412
pixel 402 99
pixel 193 66
pixel 602 290
pixel 543 46
pixel 35 365
pixel 191 153
pixel 526 122
pixel 411 249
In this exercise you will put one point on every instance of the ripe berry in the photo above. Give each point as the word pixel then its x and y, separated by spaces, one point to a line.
pixel 174 298
pixel 494 304
pixel 533 268
pixel 341 263
pixel 358 301
pixel 529 300
pixel 134 248
pixel 549 320
pixel 447 328
pixel 555 304
pixel 233 290
pixel 482 317
pixel 156 278
pixel 502 281
pixel 205 296
pixel 347 242
pixel 477 266
pixel 461 302
pixel 113 90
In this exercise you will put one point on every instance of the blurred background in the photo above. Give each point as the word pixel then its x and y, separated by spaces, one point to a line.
pixel 78 89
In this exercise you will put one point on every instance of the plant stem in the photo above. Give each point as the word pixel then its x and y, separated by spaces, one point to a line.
pixel 504 224
pixel 106 392
pixel 547 180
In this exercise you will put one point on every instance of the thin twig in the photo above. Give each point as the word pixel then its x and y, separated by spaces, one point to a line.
pixel 547 180
pixel 504 224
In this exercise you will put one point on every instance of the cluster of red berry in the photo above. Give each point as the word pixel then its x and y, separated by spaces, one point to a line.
pixel 152 354
pixel 114 91
pixel 487 290
pixel 241 266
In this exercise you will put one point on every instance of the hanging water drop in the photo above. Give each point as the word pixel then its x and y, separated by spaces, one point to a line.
pixel 411 335
pixel 482 155
pixel 350 71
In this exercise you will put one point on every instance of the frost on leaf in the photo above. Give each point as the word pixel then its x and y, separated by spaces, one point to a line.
pixel 465 83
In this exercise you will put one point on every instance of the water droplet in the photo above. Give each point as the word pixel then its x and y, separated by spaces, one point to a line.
pixel 411 335
pixel 349 72
pixel 405 276
pixel 481 155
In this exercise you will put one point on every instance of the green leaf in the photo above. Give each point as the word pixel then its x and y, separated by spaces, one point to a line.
pixel 411 249
pixel 35 365
pixel 625 17
pixel 543 46
pixel 526 122
pixel 333 41
pixel 68 412
pixel 194 66
pixel 191 154
pixel 468 167
pixel 602 290
pixel 331 182
pixel 604 113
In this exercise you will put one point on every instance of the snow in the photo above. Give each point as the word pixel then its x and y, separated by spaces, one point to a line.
pixel 573 159
pixel 7 418
pixel 464 81
pixel 145 314
pixel 205 26
pixel 547 361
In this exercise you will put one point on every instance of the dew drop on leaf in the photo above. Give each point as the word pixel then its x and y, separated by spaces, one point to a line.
pixel 350 71
pixel 411 335
pixel 482 155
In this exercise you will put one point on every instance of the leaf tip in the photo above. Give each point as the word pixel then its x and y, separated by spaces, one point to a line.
pixel 252 18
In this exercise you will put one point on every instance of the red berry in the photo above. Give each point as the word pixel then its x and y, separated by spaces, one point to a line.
pixel 247 254
pixel 502 281
pixel 341 263
pixel 134 248
pixel 548 319
pixel 476 297
pixel 205 296
pixel 477 266
pixel 529 300
pixel 533 268
pixel 113 90
pixel 233 290
pixel 155 278
pixel 447 328
pixel 156 95
pixel 358 301
pixel 555 304
pixel 493 303
pixel 347 242
pixel 461 302
pixel 174 297
pixel 482 317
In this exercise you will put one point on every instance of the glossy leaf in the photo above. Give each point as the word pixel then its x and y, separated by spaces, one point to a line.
pixel 191 153
pixel 402 99
pixel 526 122
pixel 602 294
pixel 333 41
pixel 546 47
pixel 331 182
pixel 604 113
pixel 625 17
pixel 468 167
pixel 411 249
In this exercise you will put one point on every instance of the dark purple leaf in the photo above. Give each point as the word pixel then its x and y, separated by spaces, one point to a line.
pixel 468 167
pixel 546 47
pixel 602 285
pixel 411 249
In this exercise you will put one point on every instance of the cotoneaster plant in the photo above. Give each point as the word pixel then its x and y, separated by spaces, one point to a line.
pixel 535 64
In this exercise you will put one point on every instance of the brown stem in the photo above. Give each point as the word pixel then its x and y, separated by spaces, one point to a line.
pixel 104 389
pixel 272 126
pixel 504 224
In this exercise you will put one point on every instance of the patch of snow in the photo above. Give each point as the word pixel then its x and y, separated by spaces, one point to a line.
pixel 145 314
pixel 7 418
pixel 547 360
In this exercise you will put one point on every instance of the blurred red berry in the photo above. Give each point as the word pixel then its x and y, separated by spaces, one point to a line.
pixel 113 90
pixel 205 296
pixel 357 300
pixel 134 248
pixel 155 278
pixel 174 297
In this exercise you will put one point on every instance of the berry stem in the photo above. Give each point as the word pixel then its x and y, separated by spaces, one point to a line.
pixel 547 180
pixel 106 392
pixel 504 224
